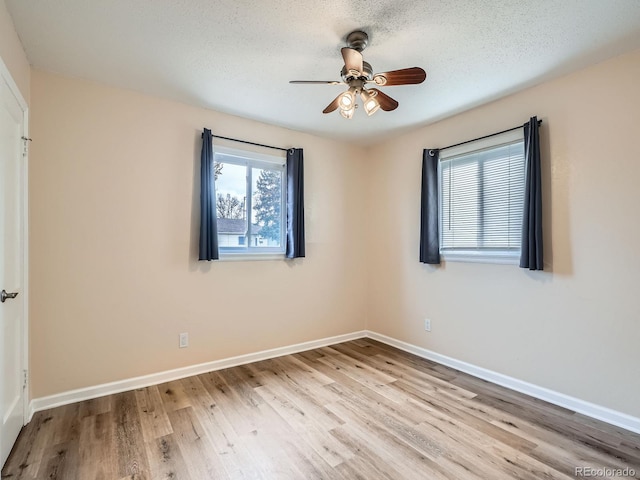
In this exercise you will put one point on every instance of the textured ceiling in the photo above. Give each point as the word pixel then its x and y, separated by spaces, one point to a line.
pixel 237 56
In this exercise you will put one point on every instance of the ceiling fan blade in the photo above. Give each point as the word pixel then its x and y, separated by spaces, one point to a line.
pixel 386 102
pixel 333 105
pixel 315 82
pixel 352 61
pixel 405 76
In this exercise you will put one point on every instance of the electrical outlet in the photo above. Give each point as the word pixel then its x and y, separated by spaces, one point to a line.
pixel 184 340
pixel 427 324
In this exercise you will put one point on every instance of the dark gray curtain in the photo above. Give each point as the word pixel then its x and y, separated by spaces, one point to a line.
pixel 208 227
pixel 295 203
pixel 531 255
pixel 429 235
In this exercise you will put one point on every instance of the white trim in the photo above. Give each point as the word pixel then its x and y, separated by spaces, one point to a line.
pixel 13 87
pixel 25 270
pixel 484 143
pixel 95 391
pixel 250 257
pixel 592 410
pixel 244 157
pixel 4 73
pixel 481 256
pixel 589 409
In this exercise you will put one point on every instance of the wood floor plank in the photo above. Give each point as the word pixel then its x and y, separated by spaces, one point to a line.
pixel 310 397
pixel 129 451
pixel 269 423
pixel 253 423
pixel 413 361
pixel 67 423
pixel 153 416
pixel 403 458
pixel 366 464
pixel 566 425
pixel 237 460
pixel 326 446
pixel 165 459
pixel 192 438
pixel 24 461
pixel 60 462
pixel 367 377
pixel 472 449
pixel 277 451
pixel 96 460
pixel 309 375
pixel 95 406
pixel 355 410
pixel 241 412
pixel 173 396
pixel 430 401
pixel 386 418
pixel 423 380
pixel 349 388
pixel 361 346
pixel 357 370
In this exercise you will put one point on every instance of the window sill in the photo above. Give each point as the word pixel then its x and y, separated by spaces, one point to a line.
pixel 482 257
pixel 250 257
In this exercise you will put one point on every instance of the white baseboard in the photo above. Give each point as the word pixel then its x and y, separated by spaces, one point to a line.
pixel 592 410
pixel 589 409
pixel 96 391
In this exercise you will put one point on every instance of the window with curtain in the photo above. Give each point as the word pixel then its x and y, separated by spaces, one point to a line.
pixel 481 187
pixel 250 192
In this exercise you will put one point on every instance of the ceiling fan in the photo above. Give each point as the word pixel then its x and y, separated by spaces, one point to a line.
pixel 356 73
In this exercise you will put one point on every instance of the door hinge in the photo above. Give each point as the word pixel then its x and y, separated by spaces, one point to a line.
pixel 25 145
pixel 25 378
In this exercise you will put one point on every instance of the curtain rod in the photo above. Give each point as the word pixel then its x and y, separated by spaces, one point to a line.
pixel 486 136
pixel 250 143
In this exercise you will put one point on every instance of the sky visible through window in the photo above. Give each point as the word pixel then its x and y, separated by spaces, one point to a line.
pixel 233 180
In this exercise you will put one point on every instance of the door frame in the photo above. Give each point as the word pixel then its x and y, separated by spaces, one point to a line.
pixel 24 173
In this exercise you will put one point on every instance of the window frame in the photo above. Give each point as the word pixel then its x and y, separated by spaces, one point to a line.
pixel 250 160
pixel 486 255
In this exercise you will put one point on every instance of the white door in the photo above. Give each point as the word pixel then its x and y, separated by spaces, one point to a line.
pixel 11 269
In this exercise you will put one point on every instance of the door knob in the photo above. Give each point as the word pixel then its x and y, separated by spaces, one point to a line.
pixel 4 295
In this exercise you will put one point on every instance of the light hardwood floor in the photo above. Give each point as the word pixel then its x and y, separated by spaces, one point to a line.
pixel 357 410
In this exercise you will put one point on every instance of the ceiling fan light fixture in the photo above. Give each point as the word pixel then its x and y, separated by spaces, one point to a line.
pixel 358 74
pixel 348 114
pixel 347 99
pixel 371 107
pixel 370 102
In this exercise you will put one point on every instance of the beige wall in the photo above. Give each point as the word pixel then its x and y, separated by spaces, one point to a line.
pixel 574 328
pixel 12 53
pixel 113 241
pixel 114 231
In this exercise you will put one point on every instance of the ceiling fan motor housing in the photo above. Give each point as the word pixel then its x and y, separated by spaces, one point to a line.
pixel 358 40
pixel 367 74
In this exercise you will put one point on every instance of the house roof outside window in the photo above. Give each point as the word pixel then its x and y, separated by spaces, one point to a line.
pixel 235 226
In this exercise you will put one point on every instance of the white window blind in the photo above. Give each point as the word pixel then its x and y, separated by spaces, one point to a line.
pixel 481 198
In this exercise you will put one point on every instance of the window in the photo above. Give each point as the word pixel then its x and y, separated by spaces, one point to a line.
pixel 481 199
pixel 250 201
